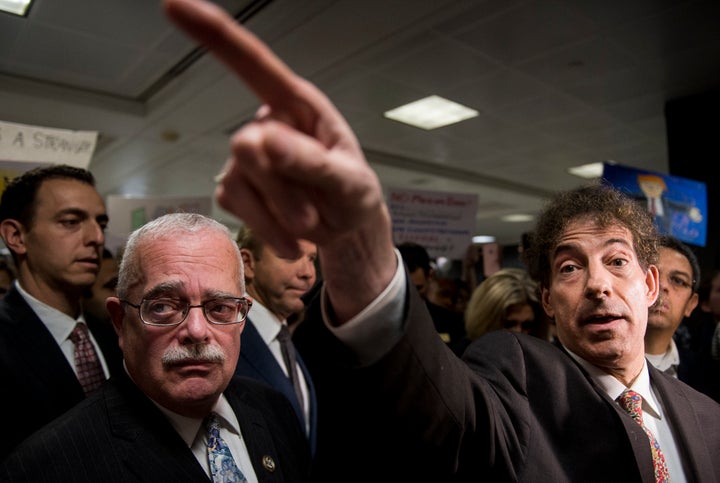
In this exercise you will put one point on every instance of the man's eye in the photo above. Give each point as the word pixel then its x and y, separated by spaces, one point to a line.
pixel 679 282
pixel 161 306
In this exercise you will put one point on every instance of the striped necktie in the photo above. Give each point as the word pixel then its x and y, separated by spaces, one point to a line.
pixel 631 402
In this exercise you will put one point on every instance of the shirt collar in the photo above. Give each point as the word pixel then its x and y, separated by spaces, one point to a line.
pixel 58 323
pixel 613 387
pixel 266 323
pixel 188 428
pixel 666 360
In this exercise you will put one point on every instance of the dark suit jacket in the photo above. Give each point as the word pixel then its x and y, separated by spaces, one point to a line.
pixel 37 379
pixel 119 435
pixel 257 362
pixel 516 408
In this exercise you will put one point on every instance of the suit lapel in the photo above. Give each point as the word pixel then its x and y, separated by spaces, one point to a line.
pixel 256 434
pixel 685 427
pixel 146 441
pixel 256 361
pixel 41 354
pixel 262 365
pixel 256 354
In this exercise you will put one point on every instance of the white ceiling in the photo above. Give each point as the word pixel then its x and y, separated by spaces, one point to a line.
pixel 557 83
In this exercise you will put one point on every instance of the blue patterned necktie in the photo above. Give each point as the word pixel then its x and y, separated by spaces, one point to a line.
pixel 222 465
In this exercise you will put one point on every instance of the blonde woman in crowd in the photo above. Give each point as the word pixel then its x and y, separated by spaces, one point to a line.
pixel 507 299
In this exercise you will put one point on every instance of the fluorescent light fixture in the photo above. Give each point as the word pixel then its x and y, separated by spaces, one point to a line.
pixel 431 112
pixel 517 218
pixel 17 7
pixel 589 171
pixel 483 239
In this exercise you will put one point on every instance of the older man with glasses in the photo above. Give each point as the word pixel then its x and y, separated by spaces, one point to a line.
pixel 177 414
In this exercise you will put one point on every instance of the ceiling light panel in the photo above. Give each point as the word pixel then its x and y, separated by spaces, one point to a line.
pixel 431 113
pixel 16 7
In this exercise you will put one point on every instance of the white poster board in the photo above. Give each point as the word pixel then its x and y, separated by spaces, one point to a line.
pixel 44 145
pixel 24 147
pixel 442 222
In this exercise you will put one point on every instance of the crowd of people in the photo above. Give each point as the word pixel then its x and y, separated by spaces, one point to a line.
pixel 573 368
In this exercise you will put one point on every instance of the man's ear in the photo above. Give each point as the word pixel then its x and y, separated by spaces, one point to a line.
pixel 248 263
pixel 547 306
pixel 12 233
pixel 117 314
pixel 653 283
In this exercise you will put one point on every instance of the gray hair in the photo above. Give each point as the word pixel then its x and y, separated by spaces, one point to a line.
pixel 172 225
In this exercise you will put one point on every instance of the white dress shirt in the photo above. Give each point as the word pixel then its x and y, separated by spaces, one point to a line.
pixel 668 361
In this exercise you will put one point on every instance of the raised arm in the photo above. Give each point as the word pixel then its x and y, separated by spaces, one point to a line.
pixel 298 170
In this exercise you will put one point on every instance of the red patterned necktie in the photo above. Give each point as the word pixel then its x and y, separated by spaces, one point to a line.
pixel 631 402
pixel 89 370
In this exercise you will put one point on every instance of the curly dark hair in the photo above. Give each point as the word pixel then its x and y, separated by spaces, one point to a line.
pixel 18 199
pixel 599 202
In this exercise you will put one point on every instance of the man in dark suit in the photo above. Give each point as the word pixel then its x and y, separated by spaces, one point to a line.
pixel 276 286
pixel 516 408
pixel 179 314
pixel 53 221
pixel 449 324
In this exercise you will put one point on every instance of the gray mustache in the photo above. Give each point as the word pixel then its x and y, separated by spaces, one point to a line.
pixel 193 353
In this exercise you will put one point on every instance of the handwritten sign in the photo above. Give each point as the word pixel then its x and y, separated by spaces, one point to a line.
pixel 44 145
pixel 442 222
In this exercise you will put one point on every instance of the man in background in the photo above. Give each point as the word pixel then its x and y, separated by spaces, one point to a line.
pixel 53 222
pixel 276 285
pixel 94 296
pixel 450 324
pixel 679 279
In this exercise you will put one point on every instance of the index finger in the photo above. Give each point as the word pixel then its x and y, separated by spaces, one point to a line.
pixel 269 77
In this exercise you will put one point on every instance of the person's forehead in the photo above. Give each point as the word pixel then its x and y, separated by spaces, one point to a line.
pixel 588 230
pixel 307 248
pixel 65 187
pixel 670 259
pixel 60 194
pixel 189 260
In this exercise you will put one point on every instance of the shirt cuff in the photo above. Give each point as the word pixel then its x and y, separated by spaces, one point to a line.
pixel 376 329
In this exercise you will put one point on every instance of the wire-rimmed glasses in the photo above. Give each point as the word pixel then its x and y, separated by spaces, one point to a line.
pixel 168 312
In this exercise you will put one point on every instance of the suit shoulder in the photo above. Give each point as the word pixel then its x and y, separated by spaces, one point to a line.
pixel 249 388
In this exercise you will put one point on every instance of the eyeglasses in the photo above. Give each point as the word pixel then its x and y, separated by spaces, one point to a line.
pixel 680 283
pixel 172 312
